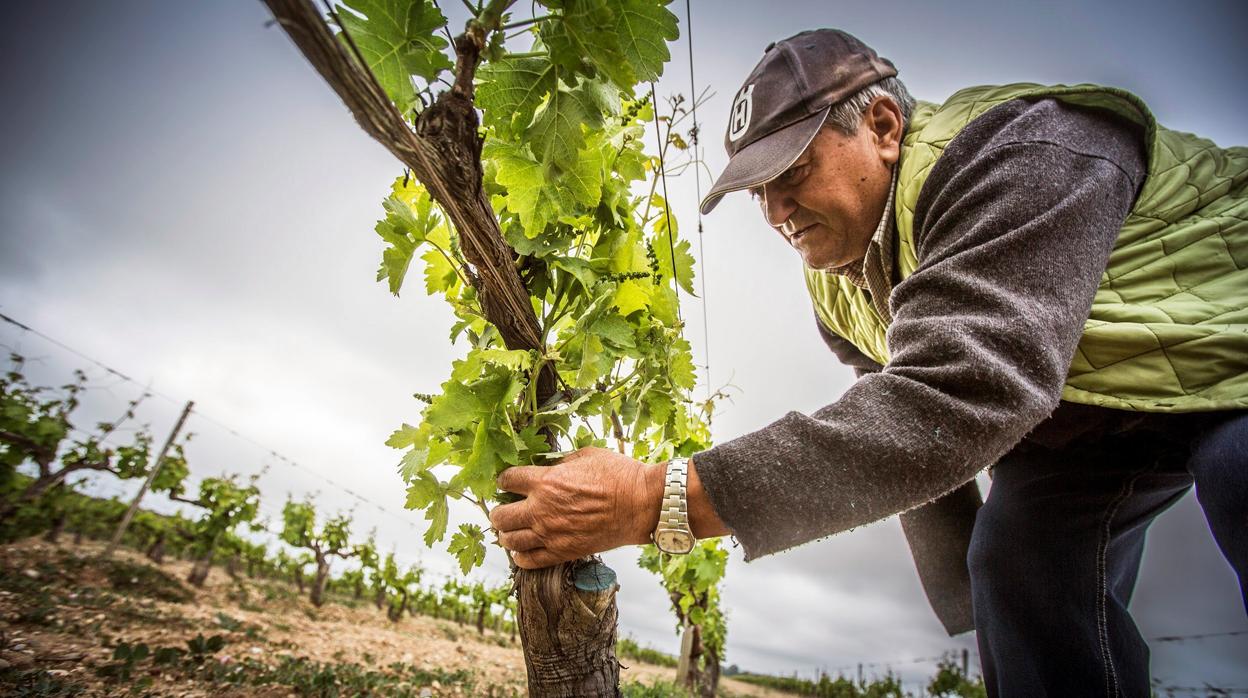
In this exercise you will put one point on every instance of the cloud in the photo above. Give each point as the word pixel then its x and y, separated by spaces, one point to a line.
pixel 183 198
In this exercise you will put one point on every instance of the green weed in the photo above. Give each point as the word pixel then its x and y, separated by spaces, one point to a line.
pixel 142 580
pixel 657 689
pixel 37 684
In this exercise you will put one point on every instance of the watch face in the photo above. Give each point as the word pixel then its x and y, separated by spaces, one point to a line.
pixel 673 541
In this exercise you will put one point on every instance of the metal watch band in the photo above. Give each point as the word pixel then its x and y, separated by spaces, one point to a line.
pixel 674 511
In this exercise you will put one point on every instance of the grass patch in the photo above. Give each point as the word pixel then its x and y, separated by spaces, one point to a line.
pixel 37 610
pixel 146 581
pixel 656 689
pixel 826 686
pixel 208 661
pixel 230 623
pixel 628 648
pixel 37 683
pixel 278 592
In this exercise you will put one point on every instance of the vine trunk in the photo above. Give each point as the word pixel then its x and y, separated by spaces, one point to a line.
pixel 568 634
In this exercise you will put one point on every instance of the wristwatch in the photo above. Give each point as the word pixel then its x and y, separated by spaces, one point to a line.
pixel 673 535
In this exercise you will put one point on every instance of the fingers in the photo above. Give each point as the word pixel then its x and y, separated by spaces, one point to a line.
pixel 523 540
pixel 512 517
pixel 537 559
pixel 520 478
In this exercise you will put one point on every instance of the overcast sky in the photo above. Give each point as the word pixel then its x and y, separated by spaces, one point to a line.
pixel 183 198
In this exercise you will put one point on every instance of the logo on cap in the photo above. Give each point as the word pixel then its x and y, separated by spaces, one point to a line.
pixel 742 109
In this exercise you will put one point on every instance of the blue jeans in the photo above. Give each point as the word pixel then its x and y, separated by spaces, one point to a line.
pixel 1056 549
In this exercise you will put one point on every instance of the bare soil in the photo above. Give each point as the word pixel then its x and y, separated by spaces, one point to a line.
pixel 63 612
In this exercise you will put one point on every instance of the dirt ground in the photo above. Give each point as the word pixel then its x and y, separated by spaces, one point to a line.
pixel 63 611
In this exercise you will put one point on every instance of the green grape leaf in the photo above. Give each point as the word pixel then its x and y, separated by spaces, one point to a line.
pixel 493 449
pixel 596 362
pixel 630 161
pixel 477 413
pixel 680 366
pixel 631 296
pixel 663 304
pixel 530 443
pixel 465 404
pixel 584 40
pixel 659 405
pixel 399 39
pixel 706 570
pixel 440 276
pixel 456 408
pixel 517 360
pixel 403 437
pixel 664 221
pixel 542 246
pixel 396 230
pixel 468 546
pixel 423 491
pixel 582 182
pixel 578 268
pixel 556 134
pixel 645 27
pixel 615 330
pixel 686 601
pixel 663 250
pixel 650 559
pixel 697 616
pixel 494 50
pixel 172 475
pixel 527 194
pixel 414 463
pixel 624 250
pixel 584 438
pixel 437 516
pixel 426 492
pixel 410 219
pixel 511 89
pixel 421 454
pixel 438 451
pixel 540 194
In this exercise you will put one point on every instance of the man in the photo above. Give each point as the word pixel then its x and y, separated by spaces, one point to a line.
pixel 1040 280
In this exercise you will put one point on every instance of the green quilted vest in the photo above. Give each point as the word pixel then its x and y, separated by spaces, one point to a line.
pixel 1168 331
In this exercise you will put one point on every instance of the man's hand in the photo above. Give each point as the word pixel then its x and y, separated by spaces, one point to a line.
pixel 592 500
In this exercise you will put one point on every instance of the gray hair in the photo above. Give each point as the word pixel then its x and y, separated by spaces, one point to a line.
pixel 846 115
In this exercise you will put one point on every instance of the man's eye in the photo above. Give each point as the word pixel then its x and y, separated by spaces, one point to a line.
pixel 792 173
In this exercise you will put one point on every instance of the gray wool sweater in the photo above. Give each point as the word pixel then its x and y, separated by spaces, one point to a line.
pixel 1013 229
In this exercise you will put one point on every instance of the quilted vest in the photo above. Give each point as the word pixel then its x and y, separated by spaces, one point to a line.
pixel 1168 331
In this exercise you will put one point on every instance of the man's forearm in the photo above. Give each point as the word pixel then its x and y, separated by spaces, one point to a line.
pixel 703 520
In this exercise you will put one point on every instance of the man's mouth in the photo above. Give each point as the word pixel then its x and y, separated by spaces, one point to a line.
pixel 795 236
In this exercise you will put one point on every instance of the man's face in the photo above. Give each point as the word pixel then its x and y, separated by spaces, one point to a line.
pixel 828 203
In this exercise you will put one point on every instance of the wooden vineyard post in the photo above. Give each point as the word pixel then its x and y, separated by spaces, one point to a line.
pixel 686 656
pixel 151 477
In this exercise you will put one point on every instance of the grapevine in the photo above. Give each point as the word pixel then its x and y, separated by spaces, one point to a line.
pixel 534 223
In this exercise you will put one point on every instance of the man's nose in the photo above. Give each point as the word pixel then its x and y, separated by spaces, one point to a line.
pixel 777 205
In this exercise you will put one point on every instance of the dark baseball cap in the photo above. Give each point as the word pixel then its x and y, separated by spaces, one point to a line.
pixel 784 101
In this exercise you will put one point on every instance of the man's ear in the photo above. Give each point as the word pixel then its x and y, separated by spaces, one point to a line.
pixel 883 121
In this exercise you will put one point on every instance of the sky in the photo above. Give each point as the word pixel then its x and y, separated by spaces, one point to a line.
pixel 183 199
